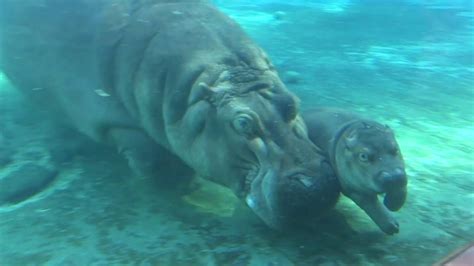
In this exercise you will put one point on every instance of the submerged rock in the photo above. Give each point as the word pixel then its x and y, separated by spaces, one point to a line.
pixel 279 15
pixel 5 157
pixel 292 77
pixel 24 182
pixel 212 198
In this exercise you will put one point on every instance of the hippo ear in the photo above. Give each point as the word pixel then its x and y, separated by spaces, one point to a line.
pixel 201 92
pixel 387 128
pixel 351 140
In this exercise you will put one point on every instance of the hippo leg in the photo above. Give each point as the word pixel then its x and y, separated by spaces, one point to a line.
pixel 144 156
pixel 376 211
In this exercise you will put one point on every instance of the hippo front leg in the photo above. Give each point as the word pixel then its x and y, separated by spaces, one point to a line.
pixel 145 157
pixel 376 211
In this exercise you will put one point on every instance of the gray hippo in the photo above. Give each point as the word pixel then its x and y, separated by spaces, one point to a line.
pixel 366 159
pixel 161 79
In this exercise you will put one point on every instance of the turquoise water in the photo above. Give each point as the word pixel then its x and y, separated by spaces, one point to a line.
pixel 409 64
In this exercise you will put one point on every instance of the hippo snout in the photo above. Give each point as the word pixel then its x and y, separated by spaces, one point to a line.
pixel 392 180
pixel 394 185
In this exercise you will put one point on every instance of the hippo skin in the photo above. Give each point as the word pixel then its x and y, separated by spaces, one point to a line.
pixel 170 81
pixel 366 159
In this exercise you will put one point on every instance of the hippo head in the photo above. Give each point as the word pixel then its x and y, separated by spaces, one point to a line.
pixel 250 137
pixel 369 162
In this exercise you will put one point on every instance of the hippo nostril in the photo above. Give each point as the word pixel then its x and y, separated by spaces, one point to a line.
pixel 401 176
pixel 384 176
pixel 399 171
pixel 394 180
pixel 303 179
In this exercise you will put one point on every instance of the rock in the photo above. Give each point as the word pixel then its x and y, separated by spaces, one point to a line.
pixel 212 198
pixel 24 182
pixel 279 15
pixel 292 77
pixel 5 157
pixel 5 150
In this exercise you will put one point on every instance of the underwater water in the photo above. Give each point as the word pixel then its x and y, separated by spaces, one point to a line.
pixel 407 64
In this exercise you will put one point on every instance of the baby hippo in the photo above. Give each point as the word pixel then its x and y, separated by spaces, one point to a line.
pixel 366 159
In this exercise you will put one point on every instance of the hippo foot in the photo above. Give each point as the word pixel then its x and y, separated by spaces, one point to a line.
pixel 146 158
pixel 377 212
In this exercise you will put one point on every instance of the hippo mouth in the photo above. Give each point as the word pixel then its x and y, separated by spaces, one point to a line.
pixel 260 197
pixel 261 183
pixel 394 186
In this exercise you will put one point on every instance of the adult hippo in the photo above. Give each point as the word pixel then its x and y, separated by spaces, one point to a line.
pixel 162 78
pixel 366 158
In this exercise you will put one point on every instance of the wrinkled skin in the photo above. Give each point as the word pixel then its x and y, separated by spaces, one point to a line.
pixel 367 161
pixel 161 79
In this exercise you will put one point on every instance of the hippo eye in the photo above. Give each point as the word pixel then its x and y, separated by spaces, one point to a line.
pixel 363 157
pixel 243 124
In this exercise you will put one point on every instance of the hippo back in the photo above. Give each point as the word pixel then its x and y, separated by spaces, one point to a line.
pixel 61 54
pixel 323 123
